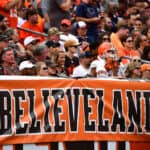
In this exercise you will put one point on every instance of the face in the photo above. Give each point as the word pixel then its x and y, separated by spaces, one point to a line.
pixel 108 23
pixel 4 24
pixel 129 43
pixel 82 31
pixel 34 19
pixel 144 41
pixel 138 25
pixel 54 37
pixel 125 32
pixel 51 70
pixel 43 70
pixel 44 55
pixel 73 49
pixel 106 38
pixel 133 19
pixel 65 28
pixel 8 57
pixel 86 61
pixel 137 72
pixel 146 74
pixel 61 58
pixel 148 34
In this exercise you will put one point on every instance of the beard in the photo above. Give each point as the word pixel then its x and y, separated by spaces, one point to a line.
pixel 3 27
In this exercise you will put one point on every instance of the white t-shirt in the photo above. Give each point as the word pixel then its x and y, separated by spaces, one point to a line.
pixel 80 71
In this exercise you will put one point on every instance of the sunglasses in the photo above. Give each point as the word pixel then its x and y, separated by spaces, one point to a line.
pixel 45 68
pixel 64 25
pixel 137 60
pixel 129 41
pixel 74 46
pixel 106 39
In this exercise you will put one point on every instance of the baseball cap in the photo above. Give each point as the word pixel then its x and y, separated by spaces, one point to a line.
pixel 85 55
pixel 26 64
pixel 53 31
pixel 71 42
pixel 29 40
pixel 81 24
pixel 66 22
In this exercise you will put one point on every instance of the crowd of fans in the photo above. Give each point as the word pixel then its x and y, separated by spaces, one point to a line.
pixel 98 39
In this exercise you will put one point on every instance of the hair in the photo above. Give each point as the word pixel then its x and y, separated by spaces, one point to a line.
pixel 145 31
pixel 100 40
pixel 57 55
pixel 31 12
pixel 38 50
pixel 138 41
pixel 146 51
pixel 124 39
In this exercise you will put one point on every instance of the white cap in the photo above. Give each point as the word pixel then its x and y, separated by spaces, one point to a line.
pixel 81 24
pixel 25 64
pixel 29 39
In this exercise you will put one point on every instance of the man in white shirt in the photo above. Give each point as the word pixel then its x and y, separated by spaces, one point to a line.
pixel 83 69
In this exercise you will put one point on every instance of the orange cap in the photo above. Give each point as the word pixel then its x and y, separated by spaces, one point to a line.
pixel 104 47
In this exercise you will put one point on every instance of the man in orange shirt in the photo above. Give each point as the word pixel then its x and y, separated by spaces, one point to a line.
pixel 7 8
pixel 32 24
pixel 116 37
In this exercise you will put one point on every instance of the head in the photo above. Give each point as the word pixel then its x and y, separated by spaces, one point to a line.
pixel 12 34
pixel 65 26
pixel 3 23
pixel 145 69
pixel 7 56
pixel 52 71
pixel 104 37
pixel 30 42
pixel 146 53
pixel 132 18
pixel 128 42
pixel 53 47
pixel 40 52
pixel 4 41
pixel 42 69
pixel 81 29
pixel 71 45
pixel 53 34
pixel 123 31
pixel 60 58
pixel 27 68
pixel 32 16
pixel 141 41
pixel 108 23
pixel 133 70
pixel 85 59
pixel 138 25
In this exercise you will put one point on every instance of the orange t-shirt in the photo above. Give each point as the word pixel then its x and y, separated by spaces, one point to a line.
pixel 27 25
pixel 10 14
pixel 116 42
pixel 130 53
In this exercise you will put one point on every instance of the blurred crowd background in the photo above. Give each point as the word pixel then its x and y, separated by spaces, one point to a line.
pixel 75 38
